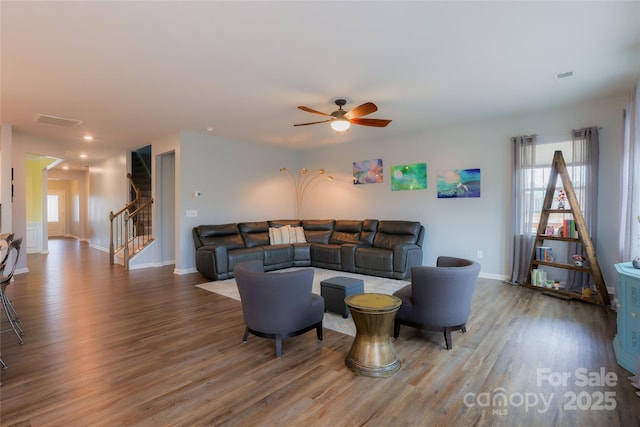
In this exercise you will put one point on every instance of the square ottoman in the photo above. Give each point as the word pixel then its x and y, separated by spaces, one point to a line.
pixel 336 289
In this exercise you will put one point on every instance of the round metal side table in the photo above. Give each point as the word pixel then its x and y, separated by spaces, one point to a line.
pixel 372 352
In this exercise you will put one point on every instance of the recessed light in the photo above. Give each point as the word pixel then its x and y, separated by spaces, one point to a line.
pixel 210 129
pixel 83 156
pixel 87 138
pixel 65 167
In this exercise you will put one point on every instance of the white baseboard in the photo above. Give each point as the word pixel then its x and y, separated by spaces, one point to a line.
pixel 180 271
pixel 493 276
pixel 100 248
pixel 140 266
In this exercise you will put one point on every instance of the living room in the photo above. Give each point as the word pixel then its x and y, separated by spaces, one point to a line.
pixel 214 176
pixel 244 174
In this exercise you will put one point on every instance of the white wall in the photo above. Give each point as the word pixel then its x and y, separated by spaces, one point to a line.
pixel 108 192
pixel 6 161
pixel 461 227
pixel 239 182
pixel 23 145
pixel 165 166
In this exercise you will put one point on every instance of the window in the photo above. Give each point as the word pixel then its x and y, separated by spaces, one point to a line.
pixel 52 208
pixel 541 171
pixel 532 160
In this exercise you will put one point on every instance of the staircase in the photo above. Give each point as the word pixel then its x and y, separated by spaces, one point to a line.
pixel 131 226
pixel 141 177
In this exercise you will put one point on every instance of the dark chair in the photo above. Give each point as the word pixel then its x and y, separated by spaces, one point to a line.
pixel 438 298
pixel 278 305
pixel 7 269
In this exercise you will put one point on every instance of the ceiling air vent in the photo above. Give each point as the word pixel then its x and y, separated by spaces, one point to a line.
pixel 564 75
pixel 58 121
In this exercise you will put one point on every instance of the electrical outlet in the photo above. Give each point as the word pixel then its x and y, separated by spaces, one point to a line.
pixel 479 254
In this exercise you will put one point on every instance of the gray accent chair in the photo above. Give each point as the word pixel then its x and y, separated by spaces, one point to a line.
pixel 278 305
pixel 438 298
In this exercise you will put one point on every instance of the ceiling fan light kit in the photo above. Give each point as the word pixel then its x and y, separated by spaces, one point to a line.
pixel 341 120
pixel 340 125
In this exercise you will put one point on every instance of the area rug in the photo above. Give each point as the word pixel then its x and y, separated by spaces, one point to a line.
pixel 331 321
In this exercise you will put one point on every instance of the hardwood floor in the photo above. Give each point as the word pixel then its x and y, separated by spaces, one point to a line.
pixel 107 347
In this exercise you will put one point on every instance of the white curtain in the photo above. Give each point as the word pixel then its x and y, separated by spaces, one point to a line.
pixel 522 206
pixel 630 181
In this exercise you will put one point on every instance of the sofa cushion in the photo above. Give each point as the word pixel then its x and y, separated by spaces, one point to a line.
pixel 318 231
pixel 345 231
pixel 278 254
pixel 369 228
pixel 393 233
pixel 374 259
pixel 245 254
pixel 254 233
pixel 221 235
pixel 283 222
pixel 325 253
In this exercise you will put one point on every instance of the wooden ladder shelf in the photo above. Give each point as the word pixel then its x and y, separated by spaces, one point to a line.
pixel 601 296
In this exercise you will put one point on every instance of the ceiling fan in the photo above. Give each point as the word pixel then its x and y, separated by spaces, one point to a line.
pixel 341 120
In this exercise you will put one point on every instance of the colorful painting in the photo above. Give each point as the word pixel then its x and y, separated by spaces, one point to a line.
pixel 409 177
pixel 367 172
pixel 458 183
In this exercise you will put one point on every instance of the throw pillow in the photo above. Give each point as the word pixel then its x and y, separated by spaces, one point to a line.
pixel 279 235
pixel 275 236
pixel 286 234
pixel 299 235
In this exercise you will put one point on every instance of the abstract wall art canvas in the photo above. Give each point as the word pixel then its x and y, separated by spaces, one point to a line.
pixel 367 172
pixel 409 177
pixel 458 183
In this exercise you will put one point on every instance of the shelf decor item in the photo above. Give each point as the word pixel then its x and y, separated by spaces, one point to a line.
pixel 561 198
pixel 578 260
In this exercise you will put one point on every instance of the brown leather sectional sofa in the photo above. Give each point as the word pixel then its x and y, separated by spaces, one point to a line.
pixel 384 248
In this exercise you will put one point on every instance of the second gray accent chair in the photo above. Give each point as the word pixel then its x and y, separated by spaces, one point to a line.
pixel 438 298
pixel 278 305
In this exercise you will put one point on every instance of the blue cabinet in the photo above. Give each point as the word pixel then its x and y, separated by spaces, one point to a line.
pixel 626 343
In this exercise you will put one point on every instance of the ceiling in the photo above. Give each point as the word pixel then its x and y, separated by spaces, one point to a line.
pixel 133 72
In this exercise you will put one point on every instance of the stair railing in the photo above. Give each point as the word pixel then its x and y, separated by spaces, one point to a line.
pixel 127 232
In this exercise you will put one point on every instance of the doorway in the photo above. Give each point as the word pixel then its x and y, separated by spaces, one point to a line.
pixel 166 206
pixel 56 213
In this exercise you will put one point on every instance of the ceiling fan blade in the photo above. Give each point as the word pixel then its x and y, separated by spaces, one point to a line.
pixel 311 110
pixel 312 123
pixel 380 123
pixel 362 110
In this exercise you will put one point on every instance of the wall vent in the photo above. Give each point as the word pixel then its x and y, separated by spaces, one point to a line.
pixel 58 121
pixel 564 75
